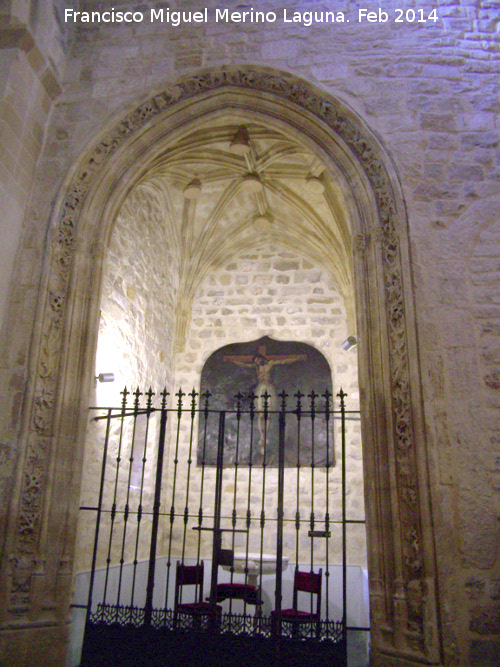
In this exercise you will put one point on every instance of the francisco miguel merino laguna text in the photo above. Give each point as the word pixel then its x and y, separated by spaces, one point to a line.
pixel 177 18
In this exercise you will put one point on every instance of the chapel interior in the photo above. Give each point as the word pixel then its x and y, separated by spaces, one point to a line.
pixel 195 219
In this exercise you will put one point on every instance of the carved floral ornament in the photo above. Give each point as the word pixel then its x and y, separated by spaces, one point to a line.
pixel 340 122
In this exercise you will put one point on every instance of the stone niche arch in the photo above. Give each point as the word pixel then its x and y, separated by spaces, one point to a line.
pixel 399 527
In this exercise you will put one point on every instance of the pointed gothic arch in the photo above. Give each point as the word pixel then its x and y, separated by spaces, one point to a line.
pixel 400 535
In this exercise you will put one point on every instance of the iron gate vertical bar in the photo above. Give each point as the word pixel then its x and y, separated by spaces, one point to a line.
pixel 149 395
pixel 148 607
pixel 193 395
pixel 179 395
pixel 266 413
pixel 206 397
pixel 217 509
pixel 248 521
pixel 279 535
pixel 98 518
pixel 124 393
pixel 234 515
pixel 126 513
pixel 298 413
pixel 342 396
pixel 326 396
pixel 312 519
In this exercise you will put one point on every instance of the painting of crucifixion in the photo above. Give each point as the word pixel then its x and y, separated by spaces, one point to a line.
pixel 253 382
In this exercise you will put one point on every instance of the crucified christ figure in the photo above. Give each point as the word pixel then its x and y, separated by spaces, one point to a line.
pixel 263 363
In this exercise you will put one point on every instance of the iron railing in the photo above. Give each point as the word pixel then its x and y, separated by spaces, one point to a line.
pixel 157 505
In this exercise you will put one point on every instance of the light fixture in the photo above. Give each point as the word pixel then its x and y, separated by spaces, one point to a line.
pixel 262 223
pixel 315 185
pixel 106 377
pixel 240 143
pixel 252 183
pixel 349 343
pixel 192 189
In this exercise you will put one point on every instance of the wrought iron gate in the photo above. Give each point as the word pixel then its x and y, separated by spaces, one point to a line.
pixel 253 523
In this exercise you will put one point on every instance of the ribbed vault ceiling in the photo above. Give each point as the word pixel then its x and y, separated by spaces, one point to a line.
pixel 230 186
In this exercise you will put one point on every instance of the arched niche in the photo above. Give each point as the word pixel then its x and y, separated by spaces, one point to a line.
pixel 399 527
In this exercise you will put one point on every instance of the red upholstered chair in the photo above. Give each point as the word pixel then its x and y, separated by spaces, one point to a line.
pixel 307 582
pixel 199 611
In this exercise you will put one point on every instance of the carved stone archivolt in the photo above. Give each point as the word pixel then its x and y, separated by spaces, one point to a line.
pixel 340 122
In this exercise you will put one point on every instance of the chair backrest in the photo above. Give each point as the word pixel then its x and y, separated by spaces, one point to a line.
pixel 188 575
pixel 308 582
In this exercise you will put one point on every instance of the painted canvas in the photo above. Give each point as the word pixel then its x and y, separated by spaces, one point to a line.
pixel 250 381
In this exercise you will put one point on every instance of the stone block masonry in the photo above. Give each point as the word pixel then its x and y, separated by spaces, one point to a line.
pixel 430 94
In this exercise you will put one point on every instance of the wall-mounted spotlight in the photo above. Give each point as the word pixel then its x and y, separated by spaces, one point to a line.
pixel 106 377
pixel 349 343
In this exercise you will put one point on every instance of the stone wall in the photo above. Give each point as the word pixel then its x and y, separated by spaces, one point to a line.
pixel 273 292
pixel 136 344
pixel 269 291
pixel 31 65
pixel 430 93
pixel 31 60
pixel 138 299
